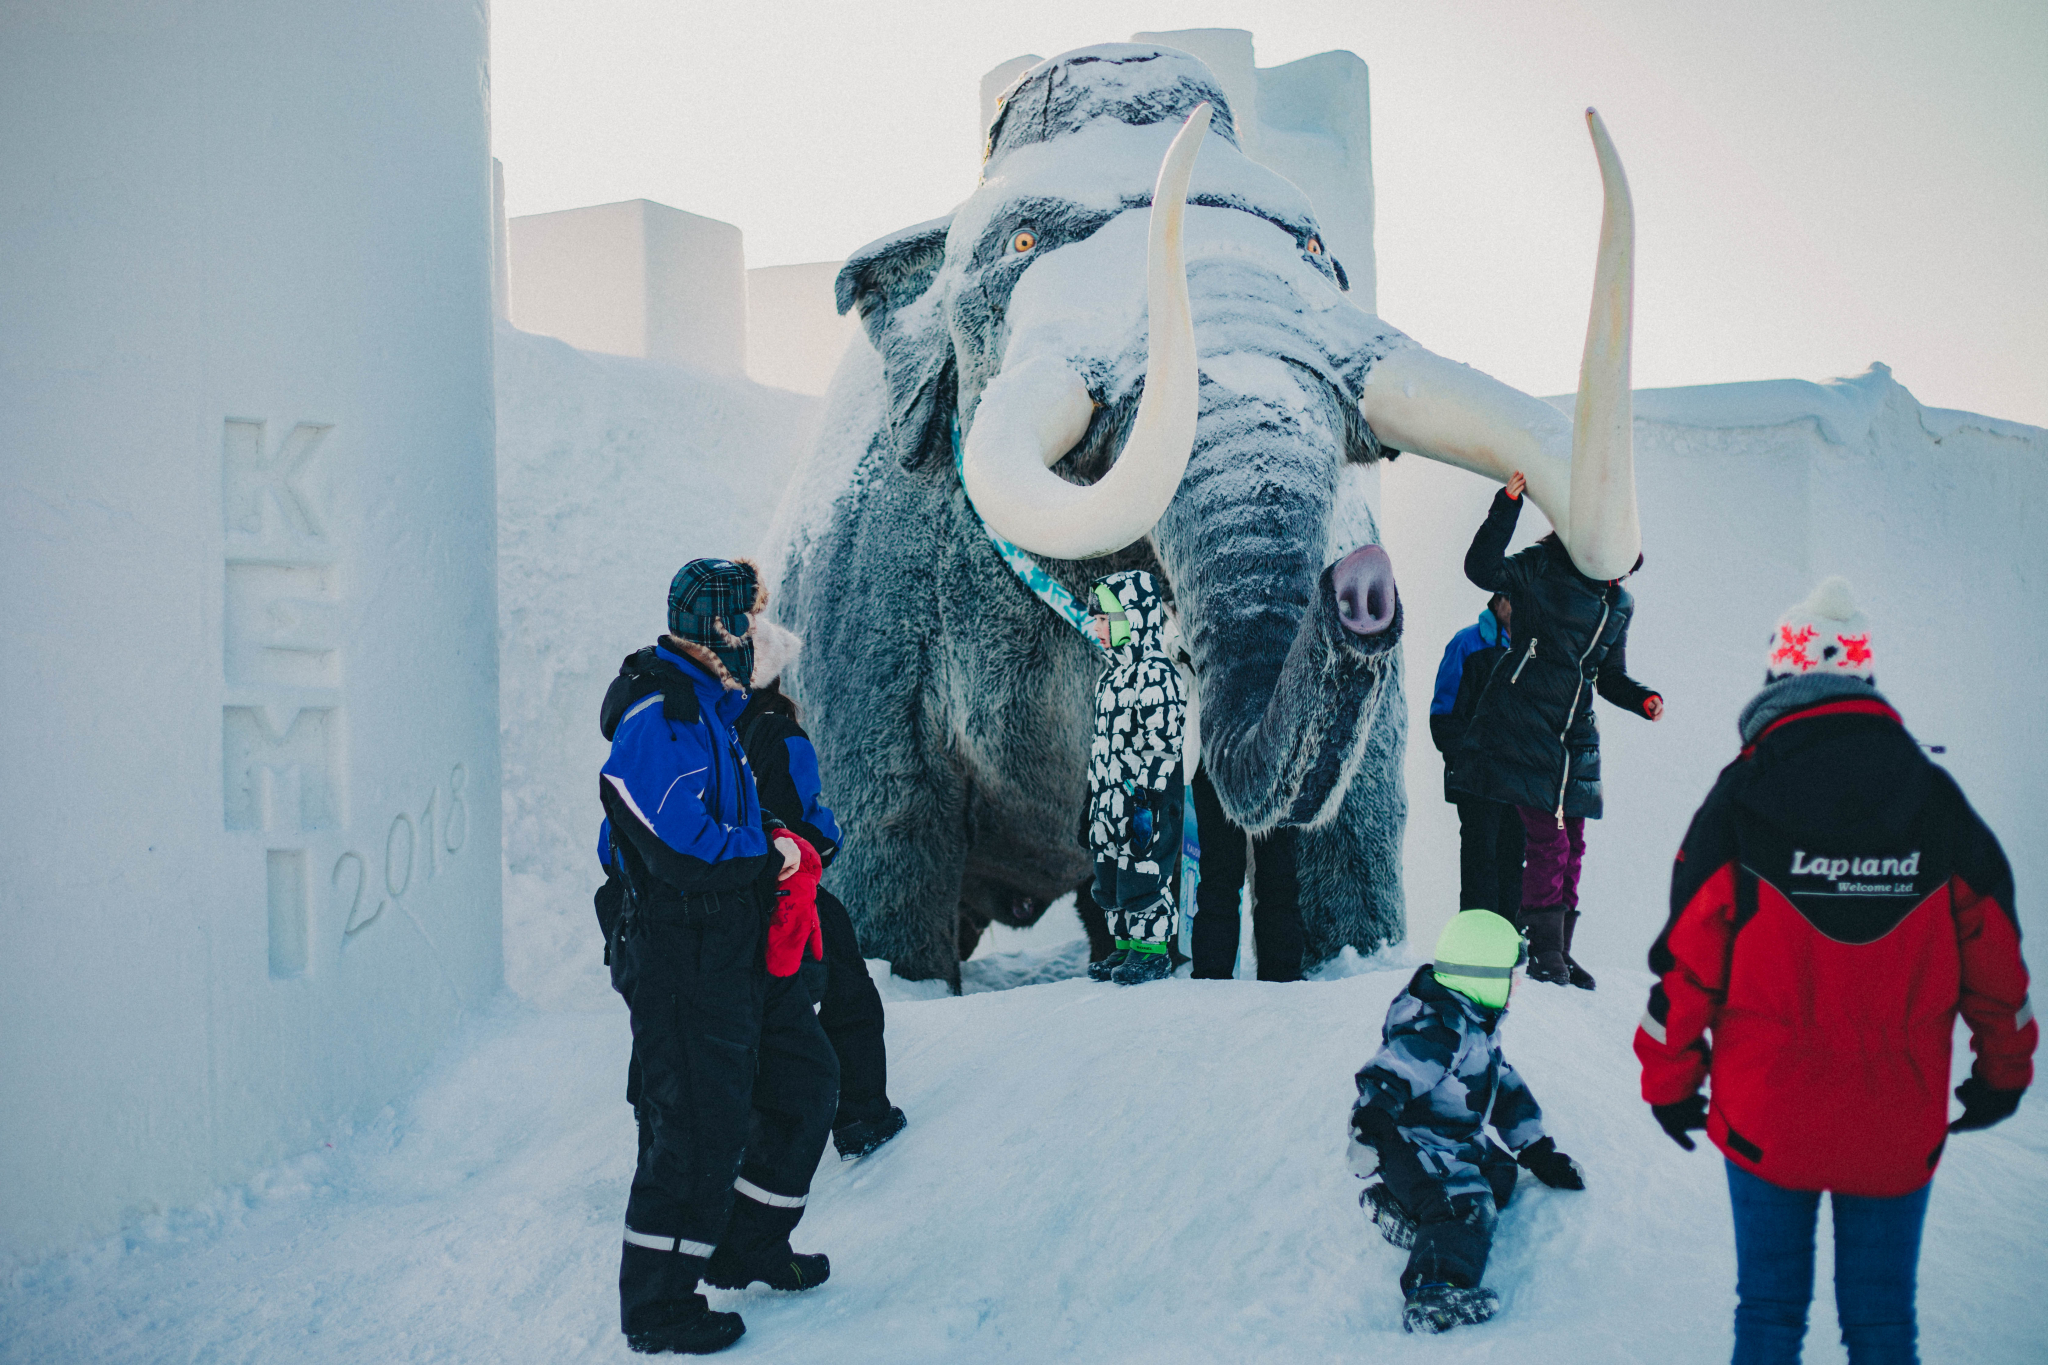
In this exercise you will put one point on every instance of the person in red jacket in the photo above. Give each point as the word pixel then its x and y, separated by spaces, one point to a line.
pixel 1834 907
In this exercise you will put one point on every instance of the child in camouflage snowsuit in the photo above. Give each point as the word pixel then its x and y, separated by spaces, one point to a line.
pixel 1134 778
pixel 1423 1099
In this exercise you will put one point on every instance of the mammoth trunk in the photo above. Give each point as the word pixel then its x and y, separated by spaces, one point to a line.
pixel 1293 658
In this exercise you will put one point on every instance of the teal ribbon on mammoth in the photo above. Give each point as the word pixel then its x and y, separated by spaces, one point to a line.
pixel 1029 571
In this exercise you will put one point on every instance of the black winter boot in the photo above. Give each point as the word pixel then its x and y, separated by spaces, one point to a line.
pixel 1545 928
pixel 1140 967
pixel 778 1268
pixel 1387 1214
pixel 691 1328
pixel 855 1140
pixel 1440 1307
pixel 1581 978
pixel 1103 970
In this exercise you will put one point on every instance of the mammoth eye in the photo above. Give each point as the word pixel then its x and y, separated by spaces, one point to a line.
pixel 1315 246
pixel 1023 242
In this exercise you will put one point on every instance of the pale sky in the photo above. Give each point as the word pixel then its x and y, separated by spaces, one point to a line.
pixel 1818 183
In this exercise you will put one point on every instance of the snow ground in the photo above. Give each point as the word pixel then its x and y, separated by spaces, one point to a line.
pixel 1090 1174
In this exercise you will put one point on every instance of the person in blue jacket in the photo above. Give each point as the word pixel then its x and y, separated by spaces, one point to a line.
pixel 1490 833
pixel 733 1082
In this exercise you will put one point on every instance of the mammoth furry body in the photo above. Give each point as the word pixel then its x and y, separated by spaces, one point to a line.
pixel 950 708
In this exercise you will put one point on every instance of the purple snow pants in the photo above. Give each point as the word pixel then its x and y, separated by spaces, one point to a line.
pixel 1550 870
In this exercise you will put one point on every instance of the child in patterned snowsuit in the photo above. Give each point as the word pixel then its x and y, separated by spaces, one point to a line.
pixel 1438 1077
pixel 1134 778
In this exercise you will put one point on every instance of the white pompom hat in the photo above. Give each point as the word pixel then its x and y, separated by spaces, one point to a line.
pixel 775 648
pixel 1827 633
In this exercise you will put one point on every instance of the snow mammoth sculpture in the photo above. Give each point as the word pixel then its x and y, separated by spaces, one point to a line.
pixel 1130 349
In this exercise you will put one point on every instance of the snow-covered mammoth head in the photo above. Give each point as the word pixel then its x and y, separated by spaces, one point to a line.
pixel 1141 335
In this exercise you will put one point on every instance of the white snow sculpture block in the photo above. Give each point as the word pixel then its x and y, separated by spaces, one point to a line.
pixel 636 279
pixel 1310 121
pixel 248 698
pixel 1750 494
pixel 795 334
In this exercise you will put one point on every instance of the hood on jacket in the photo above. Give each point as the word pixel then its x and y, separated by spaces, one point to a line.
pixel 1144 611
pixel 1489 627
pixel 1821 771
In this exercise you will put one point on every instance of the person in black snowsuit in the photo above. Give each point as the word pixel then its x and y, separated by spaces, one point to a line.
pixel 1276 894
pixel 849 1007
pixel 733 1082
pixel 1533 742
pixel 1490 833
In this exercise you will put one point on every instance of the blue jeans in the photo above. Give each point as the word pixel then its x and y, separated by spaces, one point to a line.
pixel 1877 1251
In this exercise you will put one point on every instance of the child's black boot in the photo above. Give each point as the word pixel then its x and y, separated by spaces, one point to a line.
pixel 1440 1307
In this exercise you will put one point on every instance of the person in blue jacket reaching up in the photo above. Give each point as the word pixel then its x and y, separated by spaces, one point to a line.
pixel 711 910
pixel 1489 832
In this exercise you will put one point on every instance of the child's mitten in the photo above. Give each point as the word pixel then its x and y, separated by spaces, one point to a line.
pixel 793 926
pixel 1551 1166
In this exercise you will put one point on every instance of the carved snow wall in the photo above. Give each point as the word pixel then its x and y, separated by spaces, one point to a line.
pixel 248 702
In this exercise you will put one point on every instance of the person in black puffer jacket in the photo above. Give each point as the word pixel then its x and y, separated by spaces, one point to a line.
pixel 1533 742
pixel 849 1007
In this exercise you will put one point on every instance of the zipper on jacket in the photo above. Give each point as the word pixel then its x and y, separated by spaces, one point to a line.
pixel 1517 677
pixel 1565 778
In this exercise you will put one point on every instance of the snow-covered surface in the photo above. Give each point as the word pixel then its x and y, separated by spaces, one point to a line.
pixel 612 473
pixel 1090 1174
pixel 248 692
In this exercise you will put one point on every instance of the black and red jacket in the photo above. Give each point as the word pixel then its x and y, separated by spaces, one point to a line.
pixel 1836 904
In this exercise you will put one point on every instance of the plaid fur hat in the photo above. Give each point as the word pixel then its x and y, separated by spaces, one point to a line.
pixel 709 603
pixel 1827 633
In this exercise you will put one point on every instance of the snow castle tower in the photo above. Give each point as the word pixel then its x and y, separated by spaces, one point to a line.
pixel 248 698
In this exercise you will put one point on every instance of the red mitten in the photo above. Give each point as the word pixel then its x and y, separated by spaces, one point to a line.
pixel 794 925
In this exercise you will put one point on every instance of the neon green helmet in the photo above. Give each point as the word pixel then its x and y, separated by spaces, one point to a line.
pixel 1476 956
pixel 1106 604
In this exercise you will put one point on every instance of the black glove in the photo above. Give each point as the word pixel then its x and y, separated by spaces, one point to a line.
pixel 1682 1117
pixel 1983 1106
pixel 1373 1125
pixel 1551 1166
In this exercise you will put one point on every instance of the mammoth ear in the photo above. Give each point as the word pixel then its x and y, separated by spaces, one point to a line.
pixel 889 284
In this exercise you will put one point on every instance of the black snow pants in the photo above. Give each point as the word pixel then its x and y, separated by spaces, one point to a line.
pixel 734 1085
pixel 1453 1235
pixel 850 1011
pixel 1489 857
pixel 1276 895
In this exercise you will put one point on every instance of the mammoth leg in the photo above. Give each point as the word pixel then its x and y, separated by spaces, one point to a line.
pixel 900 874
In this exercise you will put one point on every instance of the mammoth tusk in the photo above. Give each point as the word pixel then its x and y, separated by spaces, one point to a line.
pixel 1605 536
pixel 1581 473
pixel 1032 414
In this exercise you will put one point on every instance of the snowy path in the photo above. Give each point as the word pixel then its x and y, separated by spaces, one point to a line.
pixel 1090 1174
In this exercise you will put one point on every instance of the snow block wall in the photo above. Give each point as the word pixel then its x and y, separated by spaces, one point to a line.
pixel 612 473
pixel 636 279
pixel 1750 494
pixel 248 701
pixel 1310 121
